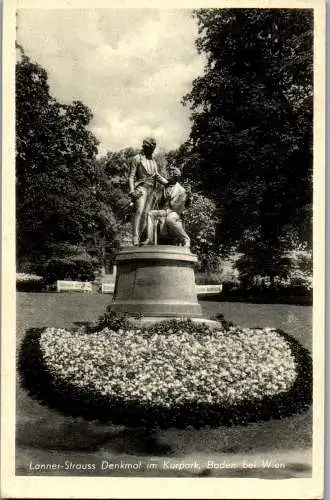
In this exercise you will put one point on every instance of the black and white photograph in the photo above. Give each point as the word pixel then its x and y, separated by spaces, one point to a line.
pixel 163 250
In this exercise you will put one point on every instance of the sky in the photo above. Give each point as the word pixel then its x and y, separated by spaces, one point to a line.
pixel 131 67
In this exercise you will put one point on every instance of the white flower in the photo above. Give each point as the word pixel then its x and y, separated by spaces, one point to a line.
pixel 215 368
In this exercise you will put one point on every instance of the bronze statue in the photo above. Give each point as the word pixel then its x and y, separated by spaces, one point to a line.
pixel 143 179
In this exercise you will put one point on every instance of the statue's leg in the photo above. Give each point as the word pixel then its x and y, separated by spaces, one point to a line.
pixel 150 230
pixel 175 228
pixel 138 214
pixel 145 222
pixel 152 225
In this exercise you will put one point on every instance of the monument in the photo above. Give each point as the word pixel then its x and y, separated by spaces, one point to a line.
pixel 147 373
pixel 155 276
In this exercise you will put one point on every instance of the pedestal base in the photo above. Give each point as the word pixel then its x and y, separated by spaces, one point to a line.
pixel 156 281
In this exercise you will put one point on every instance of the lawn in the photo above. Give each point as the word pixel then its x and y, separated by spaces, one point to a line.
pixel 274 449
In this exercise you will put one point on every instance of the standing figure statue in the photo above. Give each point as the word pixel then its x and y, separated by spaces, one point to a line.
pixel 143 179
pixel 166 223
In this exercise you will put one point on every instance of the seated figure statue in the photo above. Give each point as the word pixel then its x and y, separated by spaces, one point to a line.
pixel 165 225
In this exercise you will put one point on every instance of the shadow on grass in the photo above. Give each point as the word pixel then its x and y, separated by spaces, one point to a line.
pixel 88 437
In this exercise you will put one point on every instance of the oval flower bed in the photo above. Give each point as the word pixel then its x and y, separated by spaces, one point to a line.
pixel 172 374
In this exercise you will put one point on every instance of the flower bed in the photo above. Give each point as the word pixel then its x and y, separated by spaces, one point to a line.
pixel 175 373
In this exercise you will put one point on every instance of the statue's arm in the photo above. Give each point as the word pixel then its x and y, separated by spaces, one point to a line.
pixel 160 178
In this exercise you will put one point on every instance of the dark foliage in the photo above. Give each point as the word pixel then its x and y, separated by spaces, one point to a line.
pixel 110 319
pixel 74 268
pixel 31 286
pixel 266 294
pixel 57 181
pixel 250 146
pixel 207 279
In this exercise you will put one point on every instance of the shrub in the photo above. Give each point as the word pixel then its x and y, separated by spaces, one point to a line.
pixel 66 261
pixel 26 282
pixel 291 279
pixel 200 223
pixel 170 374
pixel 207 278
pixel 68 268
pixel 111 319
pixel 264 293
pixel 300 275
pixel 276 272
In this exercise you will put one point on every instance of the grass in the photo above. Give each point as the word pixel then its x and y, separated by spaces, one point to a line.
pixel 44 436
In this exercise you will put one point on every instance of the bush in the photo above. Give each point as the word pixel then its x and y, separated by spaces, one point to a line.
pixel 200 223
pixel 170 374
pixel 261 292
pixel 207 278
pixel 65 261
pixel 291 279
pixel 26 282
pixel 68 268
pixel 263 271
pixel 300 275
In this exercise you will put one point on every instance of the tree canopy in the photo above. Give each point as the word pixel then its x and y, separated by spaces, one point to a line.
pixel 252 130
pixel 57 180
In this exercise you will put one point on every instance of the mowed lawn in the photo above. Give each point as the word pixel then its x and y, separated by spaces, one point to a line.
pixel 44 436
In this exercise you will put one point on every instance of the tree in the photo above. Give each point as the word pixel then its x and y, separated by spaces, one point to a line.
pixel 57 180
pixel 252 127
pixel 114 170
pixel 200 223
pixel 115 167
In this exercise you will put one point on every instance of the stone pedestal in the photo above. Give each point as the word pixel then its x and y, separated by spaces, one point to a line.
pixel 156 281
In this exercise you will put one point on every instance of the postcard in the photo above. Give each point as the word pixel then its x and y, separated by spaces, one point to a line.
pixel 163 246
